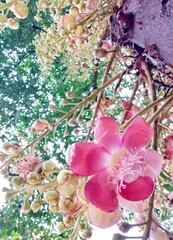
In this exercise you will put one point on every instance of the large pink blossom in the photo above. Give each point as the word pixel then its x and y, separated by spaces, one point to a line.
pixel 118 165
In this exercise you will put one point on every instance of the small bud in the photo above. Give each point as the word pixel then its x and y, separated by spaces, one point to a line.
pixel 48 167
pixel 44 4
pixel 68 183
pixel 66 133
pixel 69 95
pixel 52 197
pixel 79 30
pixel 26 207
pixel 68 206
pixel 40 125
pixel 124 227
pixel 6 146
pixel 60 227
pixel 82 7
pixel 52 107
pixel 17 181
pixel 38 18
pixel 87 233
pixel 64 176
pixel 4 171
pixel 20 9
pixel 35 205
pixel 79 119
pixel 69 220
pixel 100 52
pixel 3 20
pixel 64 102
pixel 72 122
pixel 85 66
pixel 74 11
pixel 79 41
pixel 76 131
pixel 33 178
pixel 54 209
pixel 2 156
pixel 12 23
pixel 118 236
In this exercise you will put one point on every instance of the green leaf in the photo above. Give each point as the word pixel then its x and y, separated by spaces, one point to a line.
pixel 168 187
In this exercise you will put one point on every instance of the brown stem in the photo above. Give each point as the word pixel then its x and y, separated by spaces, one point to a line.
pixel 101 93
pixel 149 219
pixel 131 100
pixel 154 146
pixel 160 110
pixel 117 86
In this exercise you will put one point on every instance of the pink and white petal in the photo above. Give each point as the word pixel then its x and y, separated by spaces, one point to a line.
pixel 139 206
pixel 137 135
pixel 100 191
pixel 103 219
pixel 88 158
pixel 152 163
pixel 138 190
pixel 107 134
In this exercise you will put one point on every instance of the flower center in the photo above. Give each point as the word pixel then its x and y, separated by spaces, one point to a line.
pixel 125 164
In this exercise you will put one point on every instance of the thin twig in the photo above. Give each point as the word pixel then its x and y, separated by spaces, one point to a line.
pixel 80 104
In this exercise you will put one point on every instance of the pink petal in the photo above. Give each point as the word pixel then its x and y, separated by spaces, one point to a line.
pixel 152 163
pixel 103 219
pixel 88 158
pixel 101 192
pixel 138 134
pixel 138 190
pixel 107 134
pixel 139 206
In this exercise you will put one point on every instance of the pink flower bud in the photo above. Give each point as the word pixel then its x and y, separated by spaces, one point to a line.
pixel 3 21
pixel 40 125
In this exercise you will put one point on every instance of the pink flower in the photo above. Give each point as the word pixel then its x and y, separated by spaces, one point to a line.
pixel 132 111
pixel 117 164
pixel 169 147
pixel 26 165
